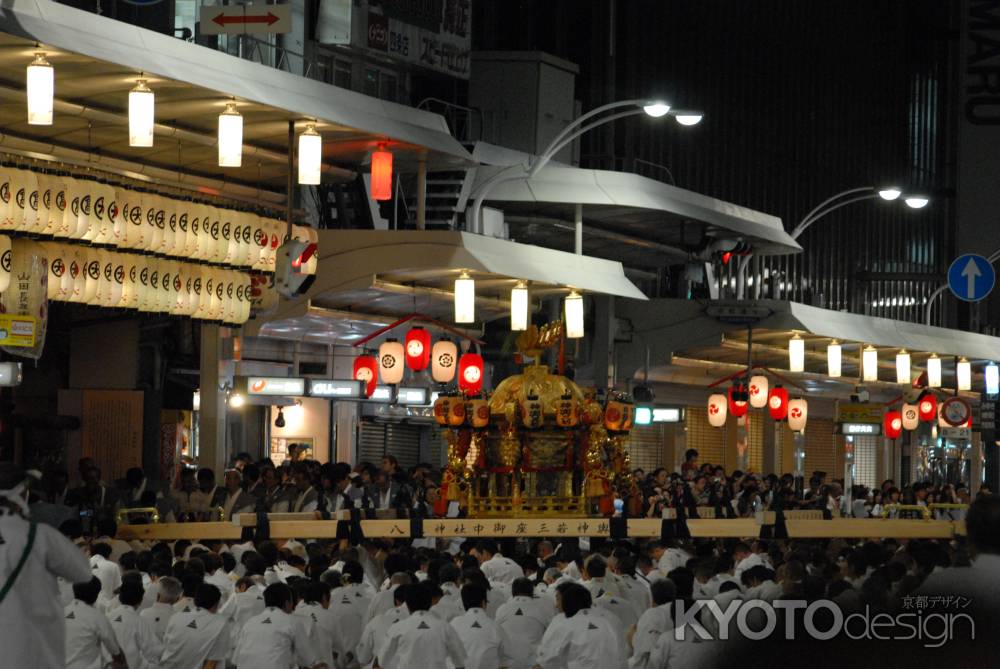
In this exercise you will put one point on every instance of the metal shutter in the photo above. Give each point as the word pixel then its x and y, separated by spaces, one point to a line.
pixel 378 438
pixel 645 447
pixel 821 451
pixel 755 439
pixel 704 438
pixel 866 461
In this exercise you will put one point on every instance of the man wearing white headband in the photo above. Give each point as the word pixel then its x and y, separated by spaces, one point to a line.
pixel 31 557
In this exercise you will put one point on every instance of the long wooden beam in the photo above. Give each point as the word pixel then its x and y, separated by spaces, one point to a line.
pixel 288 526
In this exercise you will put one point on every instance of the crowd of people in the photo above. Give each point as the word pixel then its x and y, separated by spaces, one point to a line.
pixel 742 494
pixel 523 604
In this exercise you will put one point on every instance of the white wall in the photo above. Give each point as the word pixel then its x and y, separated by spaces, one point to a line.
pixel 311 419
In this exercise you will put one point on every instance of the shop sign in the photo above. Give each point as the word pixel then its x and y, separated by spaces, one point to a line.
pixel 955 433
pixel 271 386
pixel 860 429
pixel 416 396
pixel 347 389
pixel 859 413
pixel 666 415
pixel 440 41
pixel 17 331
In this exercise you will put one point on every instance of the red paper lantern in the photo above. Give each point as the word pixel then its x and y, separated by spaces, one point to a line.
pixel 470 373
pixel 381 174
pixel 893 424
pixel 777 403
pixel 927 406
pixel 366 369
pixel 418 349
pixel 739 400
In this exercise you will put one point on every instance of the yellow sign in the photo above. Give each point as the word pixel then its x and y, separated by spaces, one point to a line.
pixel 859 413
pixel 17 330
pixel 514 527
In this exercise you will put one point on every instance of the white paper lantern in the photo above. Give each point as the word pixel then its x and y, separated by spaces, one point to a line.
pixel 55 256
pixel 104 199
pixel 869 364
pixel 963 374
pixel 81 205
pixel 573 306
pixel 6 198
pixel 24 216
pixel 798 413
pixel 145 301
pixel 224 244
pixel 444 360
pixel 758 391
pixel 105 279
pixel 153 235
pixel 141 103
pixel 118 264
pixel 833 359
pixel 118 218
pixel 796 354
pixel 130 285
pixel 991 378
pixel 230 137
pixel 465 299
pixel 390 361
pixel 136 235
pixel 75 277
pixel 934 371
pixel 519 306
pixel 92 275
pixel 310 157
pixel 911 416
pixel 91 224
pixel 169 206
pixel 718 409
pixel 46 222
pixel 6 259
pixel 40 87
pixel 903 367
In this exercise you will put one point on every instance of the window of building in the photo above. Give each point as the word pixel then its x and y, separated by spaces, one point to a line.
pixel 341 73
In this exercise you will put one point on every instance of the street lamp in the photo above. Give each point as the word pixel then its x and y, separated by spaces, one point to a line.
pixel 577 127
pixel 829 205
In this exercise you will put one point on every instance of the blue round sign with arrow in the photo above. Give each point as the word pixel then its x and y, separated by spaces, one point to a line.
pixel 971 277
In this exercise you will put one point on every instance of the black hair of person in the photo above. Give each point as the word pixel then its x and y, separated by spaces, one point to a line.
pixel 277 595
pixel 663 591
pixel 102 549
pixel 522 587
pixel 130 594
pixel 473 596
pixel 575 598
pixel 207 596
pixel 418 598
pixel 87 591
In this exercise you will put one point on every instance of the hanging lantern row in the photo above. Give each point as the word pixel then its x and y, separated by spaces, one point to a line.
pixel 869 365
pixel 116 280
pixel 417 354
pixel 520 305
pixel 740 398
pixel 92 212
pixel 40 90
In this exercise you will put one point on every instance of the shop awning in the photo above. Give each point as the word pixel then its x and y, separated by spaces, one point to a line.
pixel 366 278
pixel 629 204
pixel 696 342
pixel 97 61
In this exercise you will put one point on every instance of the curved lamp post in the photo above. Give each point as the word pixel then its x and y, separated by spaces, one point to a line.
pixel 829 205
pixel 567 135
